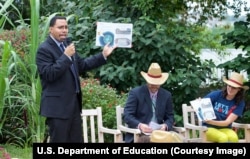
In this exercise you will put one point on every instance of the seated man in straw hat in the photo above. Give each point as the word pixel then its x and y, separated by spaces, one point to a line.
pixel 228 105
pixel 149 103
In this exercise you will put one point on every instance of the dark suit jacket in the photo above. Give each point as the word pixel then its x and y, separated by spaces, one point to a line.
pixel 59 95
pixel 138 109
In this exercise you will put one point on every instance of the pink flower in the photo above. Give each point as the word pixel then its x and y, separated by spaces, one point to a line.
pixel 5 155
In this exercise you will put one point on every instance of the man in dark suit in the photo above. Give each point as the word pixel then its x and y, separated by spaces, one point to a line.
pixel 149 103
pixel 59 67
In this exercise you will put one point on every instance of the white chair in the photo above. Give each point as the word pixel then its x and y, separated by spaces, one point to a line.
pixel 125 129
pixel 195 132
pixel 93 129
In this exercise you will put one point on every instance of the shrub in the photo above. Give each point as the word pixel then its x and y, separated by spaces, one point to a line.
pixel 18 38
pixel 104 96
pixel 4 154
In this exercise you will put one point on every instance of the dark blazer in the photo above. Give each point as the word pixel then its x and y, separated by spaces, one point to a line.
pixel 138 109
pixel 58 84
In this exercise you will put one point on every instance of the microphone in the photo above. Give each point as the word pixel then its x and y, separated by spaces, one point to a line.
pixel 67 42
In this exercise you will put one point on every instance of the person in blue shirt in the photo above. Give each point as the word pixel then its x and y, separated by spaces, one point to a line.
pixel 228 105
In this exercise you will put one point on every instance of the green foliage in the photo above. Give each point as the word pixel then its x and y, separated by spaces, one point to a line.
pixel 104 96
pixel 19 120
pixel 246 117
pixel 21 98
pixel 239 38
pixel 97 95
pixel 18 38
pixel 11 16
pixel 4 154
pixel 4 83
pixel 209 38
pixel 12 151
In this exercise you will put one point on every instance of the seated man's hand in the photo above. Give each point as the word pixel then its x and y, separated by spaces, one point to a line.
pixel 145 128
pixel 164 127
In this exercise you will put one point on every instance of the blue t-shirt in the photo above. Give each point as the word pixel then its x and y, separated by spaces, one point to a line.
pixel 223 107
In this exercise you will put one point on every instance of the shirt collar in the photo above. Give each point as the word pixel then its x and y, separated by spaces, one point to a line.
pixel 57 42
pixel 153 94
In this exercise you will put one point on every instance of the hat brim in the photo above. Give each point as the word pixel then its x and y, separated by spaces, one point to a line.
pixel 155 81
pixel 160 136
pixel 234 84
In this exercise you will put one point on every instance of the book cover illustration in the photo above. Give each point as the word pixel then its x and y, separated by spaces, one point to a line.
pixel 119 34
pixel 203 108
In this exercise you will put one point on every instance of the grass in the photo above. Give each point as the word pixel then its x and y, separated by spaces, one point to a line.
pixel 17 152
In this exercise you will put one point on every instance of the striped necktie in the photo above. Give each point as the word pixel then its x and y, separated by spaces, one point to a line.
pixel 73 69
pixel 153 98
pixel 62 47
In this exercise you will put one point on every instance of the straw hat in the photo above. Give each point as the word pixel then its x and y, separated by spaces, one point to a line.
pixel 154 75
pixel 160 136
pixel 236 80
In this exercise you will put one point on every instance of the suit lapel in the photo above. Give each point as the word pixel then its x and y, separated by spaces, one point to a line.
pixel 58 53
pixel 54 46
pixel 159 97
pixel 147 99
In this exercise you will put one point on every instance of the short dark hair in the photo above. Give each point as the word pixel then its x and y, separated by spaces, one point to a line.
pixel 53 20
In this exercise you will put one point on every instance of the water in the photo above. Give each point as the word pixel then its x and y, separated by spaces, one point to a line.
pixel 212 55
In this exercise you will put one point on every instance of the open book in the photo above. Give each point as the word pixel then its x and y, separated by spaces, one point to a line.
pixel 203 108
